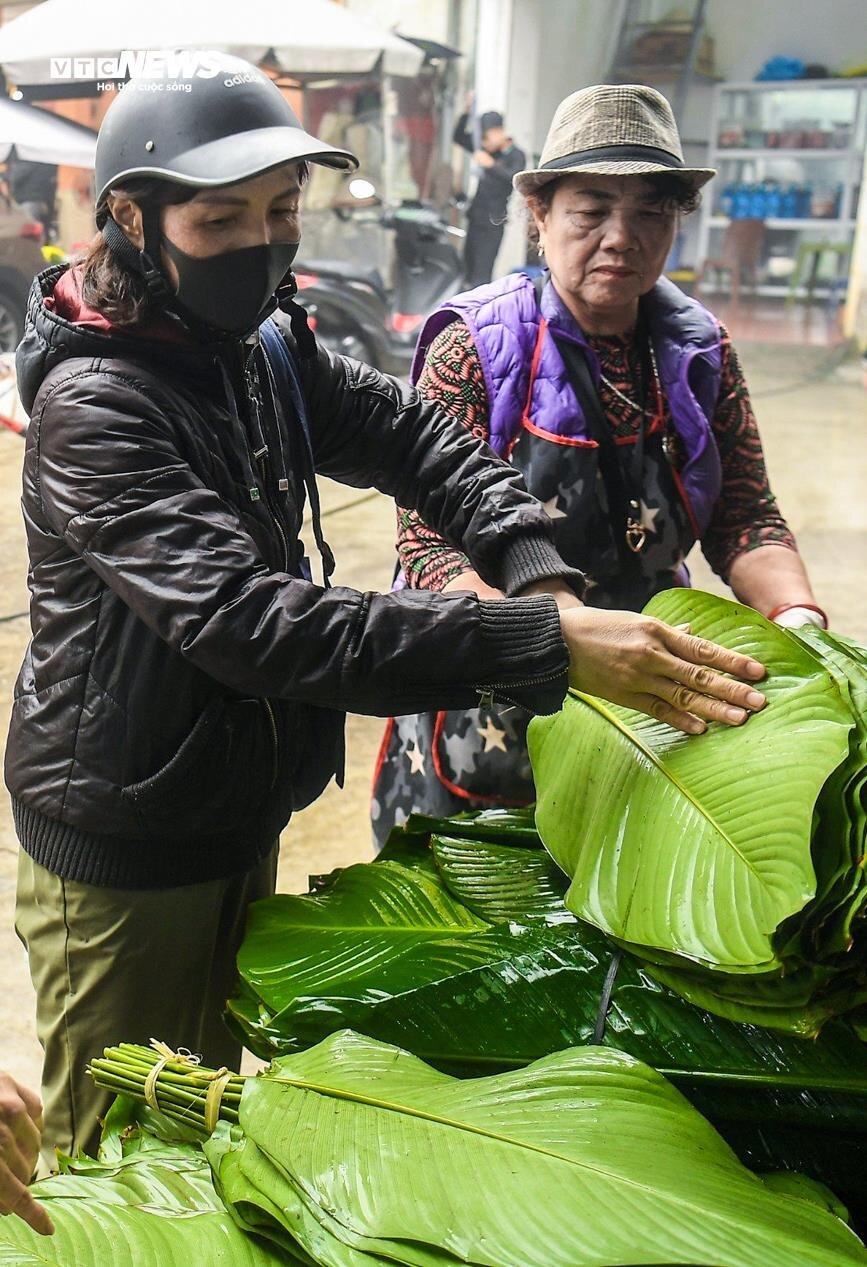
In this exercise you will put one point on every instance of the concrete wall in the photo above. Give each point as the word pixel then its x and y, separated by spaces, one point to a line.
pixel 748 32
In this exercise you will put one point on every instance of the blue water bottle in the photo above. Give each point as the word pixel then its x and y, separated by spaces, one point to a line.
pixel 754 202
pixel 741 209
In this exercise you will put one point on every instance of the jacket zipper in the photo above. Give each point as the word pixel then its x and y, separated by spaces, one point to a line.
pixel 261 457
pixel 272 722
pixel 486 693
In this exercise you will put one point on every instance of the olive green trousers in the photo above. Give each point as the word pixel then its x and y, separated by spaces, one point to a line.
pixel 124 965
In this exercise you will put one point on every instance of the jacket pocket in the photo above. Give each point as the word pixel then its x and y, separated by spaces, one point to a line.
pixel 219 778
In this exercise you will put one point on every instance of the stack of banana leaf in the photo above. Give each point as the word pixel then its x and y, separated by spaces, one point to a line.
pixel 457 945
pixel 468 945
pixel 734 861
pixel 355 1153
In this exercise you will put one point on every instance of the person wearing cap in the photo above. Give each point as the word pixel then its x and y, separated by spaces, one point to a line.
pixel 621 401
pixel 498 159
pixel 185 687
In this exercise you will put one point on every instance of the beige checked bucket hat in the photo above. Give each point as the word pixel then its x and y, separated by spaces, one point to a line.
pixel 612 130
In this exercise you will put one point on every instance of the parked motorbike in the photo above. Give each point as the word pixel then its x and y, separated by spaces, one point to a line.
pixel 350 306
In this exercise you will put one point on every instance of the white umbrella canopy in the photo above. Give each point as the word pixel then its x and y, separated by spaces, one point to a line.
pixel 308 37
pixel 39 136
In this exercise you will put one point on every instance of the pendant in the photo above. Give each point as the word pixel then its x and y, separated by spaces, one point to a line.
pixel 636 533
pixel 636 536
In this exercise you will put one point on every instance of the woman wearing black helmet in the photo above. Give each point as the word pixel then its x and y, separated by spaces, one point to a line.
pixel 184 688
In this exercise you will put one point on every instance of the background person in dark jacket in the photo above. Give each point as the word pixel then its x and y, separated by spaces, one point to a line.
pixel 184 688
pixel 34 187
pixel 499 159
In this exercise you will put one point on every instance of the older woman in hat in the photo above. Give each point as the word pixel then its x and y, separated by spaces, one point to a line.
pixel 622 402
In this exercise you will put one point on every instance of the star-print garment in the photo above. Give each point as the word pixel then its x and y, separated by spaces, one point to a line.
pixel 443 763
pixel 428 761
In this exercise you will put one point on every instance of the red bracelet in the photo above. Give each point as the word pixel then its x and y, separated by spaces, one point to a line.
pixel 810 607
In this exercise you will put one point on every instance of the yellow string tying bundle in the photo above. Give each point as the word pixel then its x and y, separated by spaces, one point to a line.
pixel 217 1079
pixel 214 1097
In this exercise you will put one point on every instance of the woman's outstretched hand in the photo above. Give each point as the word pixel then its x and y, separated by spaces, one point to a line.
pixel 644 664
pixel 20 1134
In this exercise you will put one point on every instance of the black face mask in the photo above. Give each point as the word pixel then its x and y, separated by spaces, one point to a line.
pixel 232 291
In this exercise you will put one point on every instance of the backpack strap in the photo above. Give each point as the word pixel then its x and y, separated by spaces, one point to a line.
pixel 284 370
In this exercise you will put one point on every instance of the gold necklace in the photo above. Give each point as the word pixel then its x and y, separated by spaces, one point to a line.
pixel 621 395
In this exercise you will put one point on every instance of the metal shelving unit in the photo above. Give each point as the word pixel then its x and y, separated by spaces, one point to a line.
pixel 795 108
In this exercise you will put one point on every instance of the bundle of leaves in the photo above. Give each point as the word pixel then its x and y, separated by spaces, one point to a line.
pixel 458 945
pixel 356 1152
pixel 733 861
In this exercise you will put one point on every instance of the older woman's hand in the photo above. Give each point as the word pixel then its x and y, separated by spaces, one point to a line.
pixel 562 594
pixel 642 663
pixel 20 1133
pixel 471 582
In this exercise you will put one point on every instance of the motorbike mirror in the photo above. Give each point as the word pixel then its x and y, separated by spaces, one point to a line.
pixel 362 189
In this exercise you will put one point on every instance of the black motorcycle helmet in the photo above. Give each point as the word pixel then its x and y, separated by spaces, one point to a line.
pixel 216 121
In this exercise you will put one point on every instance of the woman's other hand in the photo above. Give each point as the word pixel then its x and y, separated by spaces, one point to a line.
pixel 668 673
pixel 471 582
pixel 562 594
pixel 20 1136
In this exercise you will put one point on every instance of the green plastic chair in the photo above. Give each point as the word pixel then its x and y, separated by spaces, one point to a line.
pixel 808 258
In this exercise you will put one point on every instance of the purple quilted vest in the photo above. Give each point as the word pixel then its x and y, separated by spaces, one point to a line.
pixel 504 319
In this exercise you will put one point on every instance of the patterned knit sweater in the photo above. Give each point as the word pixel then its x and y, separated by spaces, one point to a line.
pixel 746 515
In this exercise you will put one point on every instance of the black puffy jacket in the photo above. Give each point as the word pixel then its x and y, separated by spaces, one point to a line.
pixel 184 687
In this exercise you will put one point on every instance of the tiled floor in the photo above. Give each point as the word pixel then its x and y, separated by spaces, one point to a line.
pixel 758 320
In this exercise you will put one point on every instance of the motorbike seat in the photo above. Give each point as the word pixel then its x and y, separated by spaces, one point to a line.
pixel 339 271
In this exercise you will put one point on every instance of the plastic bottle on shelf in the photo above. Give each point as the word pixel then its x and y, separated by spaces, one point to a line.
pixel 741 206
pixel 773 200
pixel 757 202
pixel 789 202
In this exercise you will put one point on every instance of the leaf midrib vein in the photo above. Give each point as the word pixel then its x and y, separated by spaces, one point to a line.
pixel 592 702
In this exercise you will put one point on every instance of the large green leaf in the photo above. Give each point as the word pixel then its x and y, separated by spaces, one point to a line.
pixel 361 1153
pixel 496 826
pixel 698 846
pixel 154 1208
pixel 372 933
pixel 374 947
pixel 501 883
pixel 841 830
pixel 800 1003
